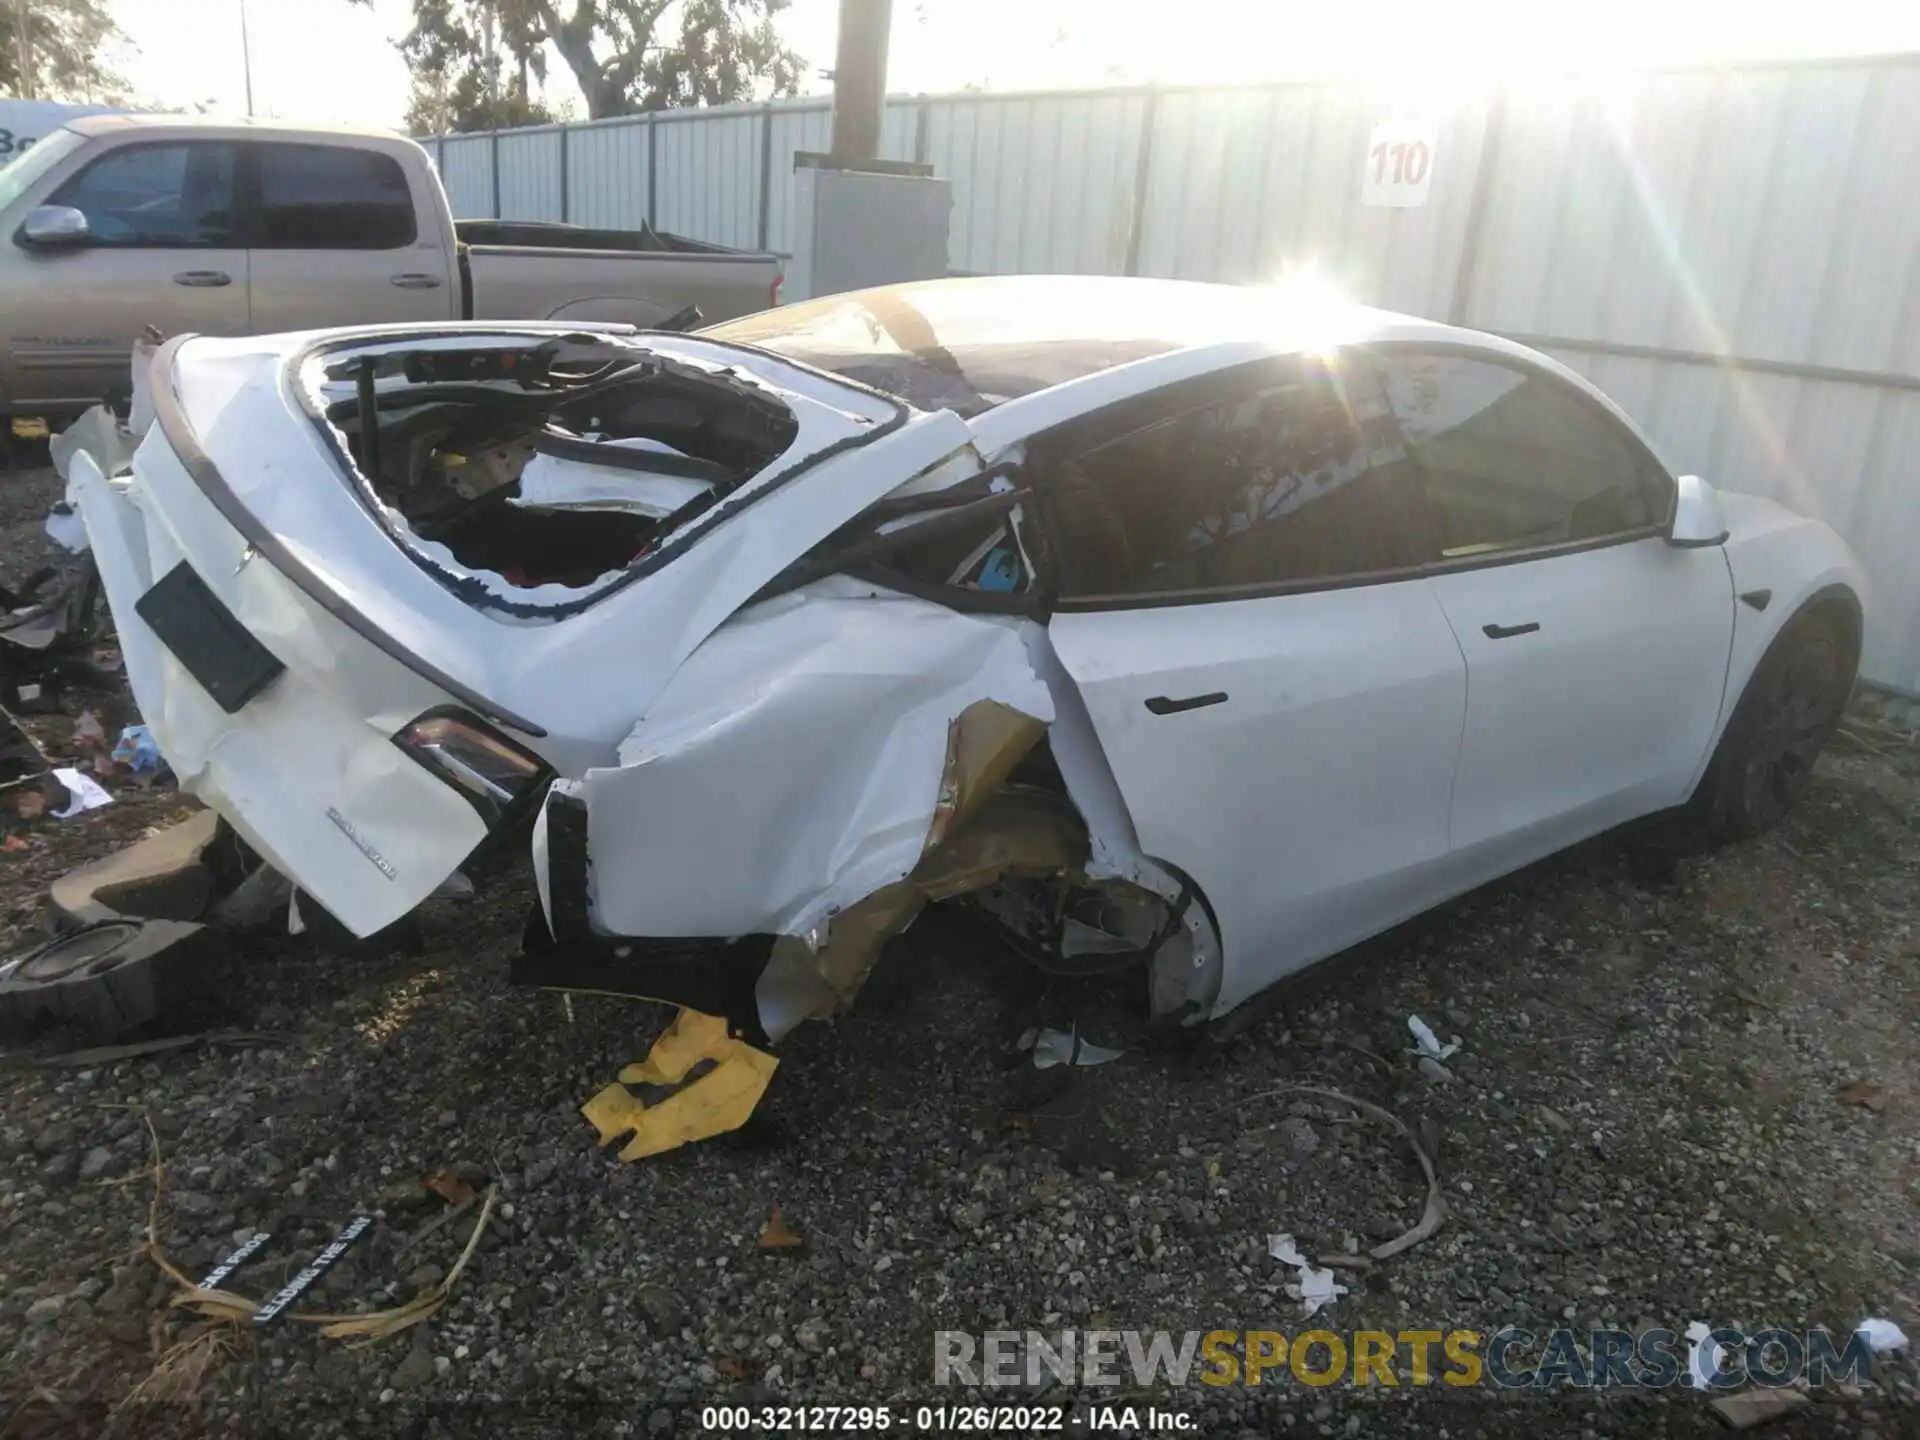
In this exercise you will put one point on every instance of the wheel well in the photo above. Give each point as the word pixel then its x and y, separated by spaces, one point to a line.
pixel 1839 607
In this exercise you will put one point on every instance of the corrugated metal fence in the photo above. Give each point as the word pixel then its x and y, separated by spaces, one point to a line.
pixel 1733 254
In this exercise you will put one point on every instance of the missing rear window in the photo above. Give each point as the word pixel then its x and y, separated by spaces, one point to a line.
pixel 532 475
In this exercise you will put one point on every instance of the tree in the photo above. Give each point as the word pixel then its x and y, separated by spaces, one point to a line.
pixel 476 62
pixel 59 50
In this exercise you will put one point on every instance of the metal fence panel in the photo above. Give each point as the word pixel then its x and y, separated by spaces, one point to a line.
pixel 1246 185
pixel 794 128
pixel 530 175
pixel 607 174
pixel 1041 184
pixel 466 169
pixel 708 179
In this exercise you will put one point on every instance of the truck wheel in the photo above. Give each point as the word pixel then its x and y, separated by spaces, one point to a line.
pixel 107 978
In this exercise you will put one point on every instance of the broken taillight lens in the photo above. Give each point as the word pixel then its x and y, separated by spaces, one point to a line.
pixel 488 768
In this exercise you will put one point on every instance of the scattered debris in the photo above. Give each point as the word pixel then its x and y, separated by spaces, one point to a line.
pixel 1703 1357
pixel 1865 1094
pixel 108 1054
pixel 1428 1044
pixel 1435 1213
pixel 713 1081
pixel 777 1234
pixel 137 750
pixel 86 794
pixel 1052 1047
pixel 29 804
pixel 1883 1336
pixel 248 1248
pixel 89 735
pixel 436 1225
pixel 1755 1407
pixel 1315 1287
pixel 313 1269
pixel 449 1186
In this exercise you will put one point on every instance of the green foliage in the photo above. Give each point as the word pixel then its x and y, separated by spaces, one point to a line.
pixel 477 64
pixel 69 45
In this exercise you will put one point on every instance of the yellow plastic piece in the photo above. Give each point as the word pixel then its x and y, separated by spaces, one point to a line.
pixel 716 1102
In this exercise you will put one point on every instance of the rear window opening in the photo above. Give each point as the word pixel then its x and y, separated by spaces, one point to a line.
pixel 533 474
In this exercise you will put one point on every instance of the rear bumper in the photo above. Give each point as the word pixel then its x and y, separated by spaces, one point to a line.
pixel 306 771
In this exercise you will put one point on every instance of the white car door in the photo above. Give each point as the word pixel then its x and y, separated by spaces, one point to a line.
pixel 1596 652
pixel 1281 702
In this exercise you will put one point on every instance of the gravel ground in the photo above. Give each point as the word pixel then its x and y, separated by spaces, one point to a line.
pixel 1642 1128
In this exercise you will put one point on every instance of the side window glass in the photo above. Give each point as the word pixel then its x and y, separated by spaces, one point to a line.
pixel 1270 484
pixel 156 196
pixel 1510 460
pixel 331 197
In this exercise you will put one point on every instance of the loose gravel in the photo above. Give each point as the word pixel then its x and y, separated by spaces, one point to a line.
pixel 1642 1127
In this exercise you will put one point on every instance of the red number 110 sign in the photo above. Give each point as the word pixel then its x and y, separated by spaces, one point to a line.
pixel 1399 163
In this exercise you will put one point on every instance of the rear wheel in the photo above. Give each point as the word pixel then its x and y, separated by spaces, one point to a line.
pixel 1788 712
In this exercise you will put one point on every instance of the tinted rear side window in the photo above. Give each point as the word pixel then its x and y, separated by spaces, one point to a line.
pixel 1267 484
pixel 1512 460
pixel 156 196
pixel 330 197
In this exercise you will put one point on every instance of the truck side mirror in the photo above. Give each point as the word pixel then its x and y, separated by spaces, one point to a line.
pixel 54 227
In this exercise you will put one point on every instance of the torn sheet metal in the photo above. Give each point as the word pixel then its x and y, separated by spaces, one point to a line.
pixel 801 752
pixel 714 1079
pixel 1004 834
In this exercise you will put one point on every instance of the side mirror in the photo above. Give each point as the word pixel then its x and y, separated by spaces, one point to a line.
pixel 1698 521
pixel 54 227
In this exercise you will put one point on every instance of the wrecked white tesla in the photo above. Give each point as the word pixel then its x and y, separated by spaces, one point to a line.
pixel 1193 629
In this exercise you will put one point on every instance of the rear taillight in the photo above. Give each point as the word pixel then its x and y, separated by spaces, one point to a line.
pixel 487 768
pixel 773 290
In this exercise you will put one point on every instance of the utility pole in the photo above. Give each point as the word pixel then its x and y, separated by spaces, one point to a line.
pixel 246 57
pixel 860 80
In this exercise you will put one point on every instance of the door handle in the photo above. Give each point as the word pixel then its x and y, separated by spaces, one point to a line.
pixel 1507 632
pixel 1167 705
pixel 203 279
pixel 417 280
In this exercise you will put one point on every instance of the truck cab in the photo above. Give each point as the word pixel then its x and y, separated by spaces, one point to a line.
pixel 118 222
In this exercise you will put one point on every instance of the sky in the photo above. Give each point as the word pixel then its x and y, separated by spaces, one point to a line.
pixel 329 60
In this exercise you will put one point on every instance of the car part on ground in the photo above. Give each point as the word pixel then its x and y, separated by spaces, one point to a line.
pixel 697 1081
pixel 108 977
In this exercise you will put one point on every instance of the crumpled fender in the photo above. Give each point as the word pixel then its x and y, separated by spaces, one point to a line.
pixel 798 757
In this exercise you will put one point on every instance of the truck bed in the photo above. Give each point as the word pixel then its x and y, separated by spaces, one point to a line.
pixel 549 234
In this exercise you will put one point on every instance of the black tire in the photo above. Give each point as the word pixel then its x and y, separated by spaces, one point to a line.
pixel 1786 715
pixel 108 978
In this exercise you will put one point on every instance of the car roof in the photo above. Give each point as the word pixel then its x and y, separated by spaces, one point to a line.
pixel 1014 353
pixel 925 316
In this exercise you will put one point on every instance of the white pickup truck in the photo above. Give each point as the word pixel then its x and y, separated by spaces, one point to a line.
pixel 114 223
